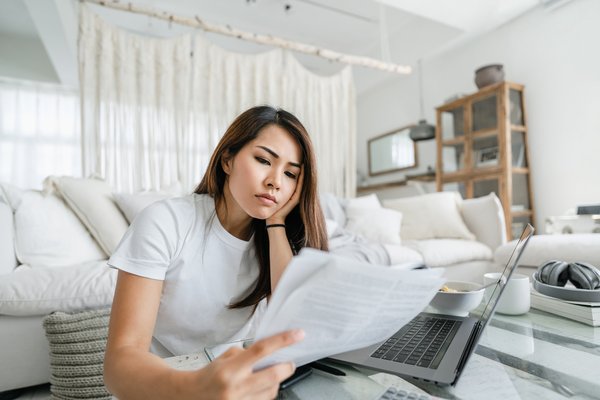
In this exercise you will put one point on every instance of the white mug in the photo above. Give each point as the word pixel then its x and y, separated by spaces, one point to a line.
pixel 516 298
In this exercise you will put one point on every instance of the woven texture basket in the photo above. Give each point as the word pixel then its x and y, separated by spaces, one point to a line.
pixel 77 344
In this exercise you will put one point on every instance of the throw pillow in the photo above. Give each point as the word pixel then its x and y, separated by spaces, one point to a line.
pixel 332 208
pixel 92 201
pixel 47 232
pixel 132 204
pixel 379 225
pixel 481 215
pixel 433 215
pixel 77 346
pixel 368 201
pixel 39 291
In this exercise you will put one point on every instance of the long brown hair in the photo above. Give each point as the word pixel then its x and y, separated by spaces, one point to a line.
pixel 305 224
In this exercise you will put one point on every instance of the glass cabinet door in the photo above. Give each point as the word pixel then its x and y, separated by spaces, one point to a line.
pixel 484 113
pixel 453 123
pixel 516 107
pixel 486 152
pixel 453 157
pixel 519 156
pixel 485 186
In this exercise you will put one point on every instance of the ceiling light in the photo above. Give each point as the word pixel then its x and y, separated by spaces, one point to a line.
pixel 423 130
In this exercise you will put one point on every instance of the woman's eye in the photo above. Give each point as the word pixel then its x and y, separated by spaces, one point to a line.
pixel 262 160
pixel 290 175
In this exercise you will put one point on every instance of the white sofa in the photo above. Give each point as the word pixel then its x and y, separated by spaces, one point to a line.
pixel 53 251
pixel 54 246
pixel 438 229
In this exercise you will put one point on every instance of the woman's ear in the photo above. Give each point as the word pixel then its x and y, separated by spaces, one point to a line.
pixel 226 162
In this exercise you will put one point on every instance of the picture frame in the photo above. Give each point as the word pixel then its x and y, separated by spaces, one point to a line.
pixel 392 151
pixel 487 157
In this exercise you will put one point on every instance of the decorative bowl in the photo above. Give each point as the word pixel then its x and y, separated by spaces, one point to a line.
pixel 488 75
pixel 466 299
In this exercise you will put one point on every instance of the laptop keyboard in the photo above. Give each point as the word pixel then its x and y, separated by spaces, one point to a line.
pixel 422 342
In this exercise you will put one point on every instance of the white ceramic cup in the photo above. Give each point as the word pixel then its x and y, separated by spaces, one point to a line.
pixel 516 298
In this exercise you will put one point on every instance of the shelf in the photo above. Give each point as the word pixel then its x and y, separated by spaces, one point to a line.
pixel 458 141
pixel 521 213
pixel 483 133
pixel 491 155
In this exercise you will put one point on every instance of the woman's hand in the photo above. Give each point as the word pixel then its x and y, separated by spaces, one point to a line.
pixel 230 376
pixel 282 213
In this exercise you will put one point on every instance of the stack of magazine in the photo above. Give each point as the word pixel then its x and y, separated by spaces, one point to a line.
pixel 586 312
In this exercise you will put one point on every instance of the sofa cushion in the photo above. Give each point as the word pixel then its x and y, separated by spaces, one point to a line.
pixel 584 247
pixel 8 261
pixel 433 215
pixel 132 203
pixel 92 201
pixel 40 291
pixel 401 254
pixel 444 252
pixel 381 225
pixel 332 208
pixel 485 218
pixel 47 232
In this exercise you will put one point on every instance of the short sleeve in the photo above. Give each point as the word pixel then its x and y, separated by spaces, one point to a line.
pixel 154 239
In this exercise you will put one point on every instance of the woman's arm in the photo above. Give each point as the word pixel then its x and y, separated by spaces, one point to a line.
pixel 132 372
pixel 280 253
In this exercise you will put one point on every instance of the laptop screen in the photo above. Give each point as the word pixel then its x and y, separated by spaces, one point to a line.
pixel 484 313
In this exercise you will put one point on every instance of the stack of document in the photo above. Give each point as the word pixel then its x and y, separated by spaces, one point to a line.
pixel 586 312
pixel 342 304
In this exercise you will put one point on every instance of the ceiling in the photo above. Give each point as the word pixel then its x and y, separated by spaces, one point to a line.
pixel 398 31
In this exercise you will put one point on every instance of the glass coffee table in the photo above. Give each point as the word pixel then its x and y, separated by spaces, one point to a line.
pixel 533 356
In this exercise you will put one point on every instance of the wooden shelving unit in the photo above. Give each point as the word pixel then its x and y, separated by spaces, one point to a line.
pixel 482 147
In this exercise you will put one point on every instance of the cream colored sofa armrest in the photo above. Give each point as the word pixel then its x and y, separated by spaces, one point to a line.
pixel 485 219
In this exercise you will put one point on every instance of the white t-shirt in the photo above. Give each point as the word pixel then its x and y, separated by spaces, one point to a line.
pixel 204 268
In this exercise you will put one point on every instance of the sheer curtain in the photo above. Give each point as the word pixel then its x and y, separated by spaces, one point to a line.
pixel 225 84
pixel 152 114
pixel 39 132
pixel 135 97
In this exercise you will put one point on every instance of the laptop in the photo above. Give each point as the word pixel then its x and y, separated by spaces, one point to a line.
pixel 436 347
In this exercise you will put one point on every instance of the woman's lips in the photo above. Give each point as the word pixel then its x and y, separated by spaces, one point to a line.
pixel 266 198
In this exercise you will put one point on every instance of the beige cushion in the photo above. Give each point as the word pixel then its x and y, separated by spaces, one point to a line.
pixel 47 232
pixel 92 201
pixel 433 215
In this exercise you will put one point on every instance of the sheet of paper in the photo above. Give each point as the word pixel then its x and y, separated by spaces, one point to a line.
pixel 342 304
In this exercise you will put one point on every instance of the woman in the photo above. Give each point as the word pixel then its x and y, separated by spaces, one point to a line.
pixel 196 271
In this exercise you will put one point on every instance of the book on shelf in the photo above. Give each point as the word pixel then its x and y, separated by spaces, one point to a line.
pixel 586 312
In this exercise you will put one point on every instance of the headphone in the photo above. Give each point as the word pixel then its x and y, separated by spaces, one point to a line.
pixel 557 273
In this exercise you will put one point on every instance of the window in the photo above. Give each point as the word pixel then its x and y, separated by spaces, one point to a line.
pixel 39 132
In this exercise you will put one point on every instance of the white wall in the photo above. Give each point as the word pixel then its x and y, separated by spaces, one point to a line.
pixel 555 55
pixel 25 58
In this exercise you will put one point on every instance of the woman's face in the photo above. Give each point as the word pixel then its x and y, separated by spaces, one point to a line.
pixel 263 175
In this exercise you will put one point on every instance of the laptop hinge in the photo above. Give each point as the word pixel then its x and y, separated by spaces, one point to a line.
pixel 467 352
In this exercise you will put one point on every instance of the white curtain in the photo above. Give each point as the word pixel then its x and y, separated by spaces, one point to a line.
pixel 39 132
pixel 144 128
pixel 226 83
pixel 135 96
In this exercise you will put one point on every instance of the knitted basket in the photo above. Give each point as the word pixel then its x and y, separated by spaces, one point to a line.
pixel 77 344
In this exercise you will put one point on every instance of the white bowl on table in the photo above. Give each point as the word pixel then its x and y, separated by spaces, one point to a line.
pixel 467 298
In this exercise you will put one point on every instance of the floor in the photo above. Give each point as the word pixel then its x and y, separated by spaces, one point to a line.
pixel 41 392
